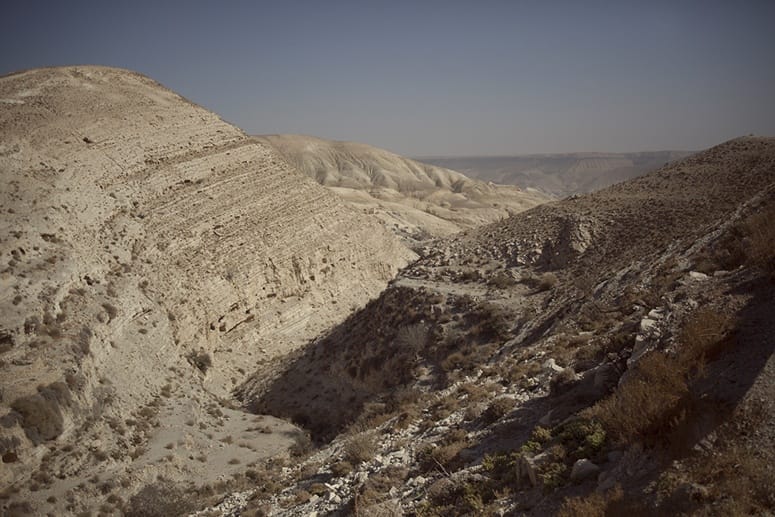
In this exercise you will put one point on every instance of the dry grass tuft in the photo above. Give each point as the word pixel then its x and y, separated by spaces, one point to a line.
pixel 741 482
pixel 160 499
pixel 654 399
pixel 547 281
pixel 359 449
pixel 595 504
pixel 761 249
pixel 497 409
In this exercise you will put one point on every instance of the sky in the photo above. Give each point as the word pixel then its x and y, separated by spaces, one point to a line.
pixel 435 78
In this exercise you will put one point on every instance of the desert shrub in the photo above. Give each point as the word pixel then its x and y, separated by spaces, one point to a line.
pixel 501 280
pixel 407 416
pixel 539 438
pixel 474 392
pixel 444 457
pixel 444 407
pixel 160 499
pixel 595 504
pixel 6 342
pixel 360 448
pixel 377 488
pixel 201 360
pixel 83 341
pixel 580 438
pixel 739 480
pixel 553 475
pixel 702 337
pixel 19 509
pixel 489 322
pixel 502 466
pixel 454 361
pixel 457 499
pixel 544 282
pixel 403 399
pixel 761 232
pixel 497 409
pixel 470 275
pixel 111 310
pixel 302 496
pixel 644 405
pixel 41 413
pixel 655 398
pixel 752 242
pixel 541 435
pixel 547 281
pixel 412 338
pixel 341 468
pixel 265 479
pixel 302 446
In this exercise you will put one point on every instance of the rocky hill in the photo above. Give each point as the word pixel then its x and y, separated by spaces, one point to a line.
pixel 560 175
pixel 149 254
pixel 610 353
pixel 414 199
pixel 191 326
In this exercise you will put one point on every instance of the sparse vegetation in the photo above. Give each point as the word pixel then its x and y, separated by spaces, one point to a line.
pixel 359 449
pixel 547 281
pixel 497 409
pixel 41 413
pixel 656 396
pixel 160 499
pixel 341 468
pixel 761 232
pixel 201 360
pixel 596 504
pixel 501 280
pixel 111 310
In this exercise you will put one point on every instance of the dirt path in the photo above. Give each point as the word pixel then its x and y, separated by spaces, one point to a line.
pixel 512 297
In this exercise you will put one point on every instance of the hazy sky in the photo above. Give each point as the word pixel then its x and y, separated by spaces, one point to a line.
pixel 436 78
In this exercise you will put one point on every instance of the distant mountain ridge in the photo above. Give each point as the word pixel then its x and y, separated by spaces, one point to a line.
pixel 562 174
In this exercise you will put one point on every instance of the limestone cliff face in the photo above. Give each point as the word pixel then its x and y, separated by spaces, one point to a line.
pixel 138 228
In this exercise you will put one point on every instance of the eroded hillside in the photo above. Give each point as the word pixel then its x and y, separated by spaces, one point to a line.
pixel 608 354
pixel 151 252
pixel 413 199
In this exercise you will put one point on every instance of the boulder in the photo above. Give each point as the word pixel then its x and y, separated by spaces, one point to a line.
pixel 582 470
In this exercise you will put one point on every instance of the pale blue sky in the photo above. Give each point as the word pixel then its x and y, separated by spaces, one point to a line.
pixel 436 78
